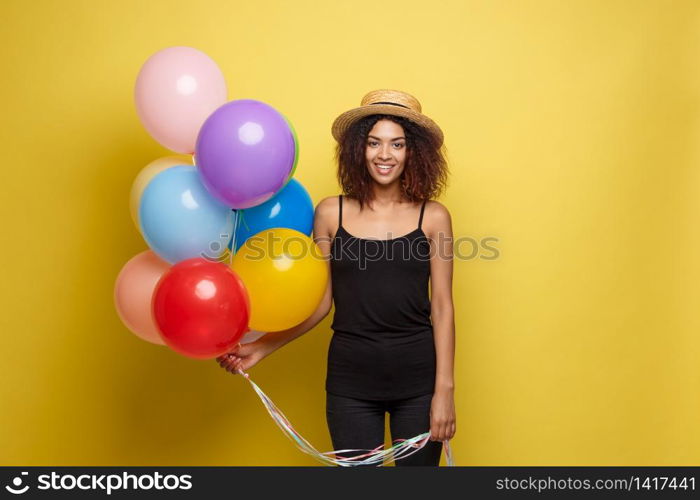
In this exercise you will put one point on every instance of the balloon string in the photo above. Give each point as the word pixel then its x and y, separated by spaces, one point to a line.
pixel 237 220
pixel 400 449
pixel 243 220
pixel 233 241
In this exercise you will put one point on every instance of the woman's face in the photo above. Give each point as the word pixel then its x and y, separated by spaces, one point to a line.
pixel 386 147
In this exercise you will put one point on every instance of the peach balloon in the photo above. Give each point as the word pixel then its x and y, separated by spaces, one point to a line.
pixel 145 176
pixel 176 90
pixel 133 292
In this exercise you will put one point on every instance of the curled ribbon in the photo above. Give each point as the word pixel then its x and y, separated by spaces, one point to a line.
pixel 401 448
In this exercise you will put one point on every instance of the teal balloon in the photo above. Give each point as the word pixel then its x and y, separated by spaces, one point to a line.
pixel 290 208
pixel 179 219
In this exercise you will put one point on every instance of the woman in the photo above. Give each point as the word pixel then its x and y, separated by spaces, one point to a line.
pixel 392 348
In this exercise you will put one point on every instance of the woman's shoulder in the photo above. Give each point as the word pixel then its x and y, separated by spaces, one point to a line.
pixel 436 209
pixel 326 216
pixel 436 216
pixel 327 205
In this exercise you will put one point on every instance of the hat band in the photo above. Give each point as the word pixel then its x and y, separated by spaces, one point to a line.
pixel 391 103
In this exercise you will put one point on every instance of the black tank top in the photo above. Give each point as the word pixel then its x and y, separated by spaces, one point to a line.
pixel 382 346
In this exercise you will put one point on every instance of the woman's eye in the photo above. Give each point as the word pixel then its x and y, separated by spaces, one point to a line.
pixel 373 143
pixel 398 144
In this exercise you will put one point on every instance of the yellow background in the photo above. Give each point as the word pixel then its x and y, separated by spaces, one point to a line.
pixel 573 131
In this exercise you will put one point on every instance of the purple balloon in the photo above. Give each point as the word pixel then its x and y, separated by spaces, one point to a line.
pixel 244 153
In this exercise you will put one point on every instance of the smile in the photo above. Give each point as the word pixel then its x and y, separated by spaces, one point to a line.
pixel 384 168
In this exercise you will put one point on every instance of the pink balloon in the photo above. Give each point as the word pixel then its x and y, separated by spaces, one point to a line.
pixel 133 292
pixel 176 91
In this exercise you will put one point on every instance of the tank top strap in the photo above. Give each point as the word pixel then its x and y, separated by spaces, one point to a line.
pixel 340 210
pixel 420 219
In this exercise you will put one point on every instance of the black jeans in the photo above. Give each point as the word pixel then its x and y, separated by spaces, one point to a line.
pixel 359 424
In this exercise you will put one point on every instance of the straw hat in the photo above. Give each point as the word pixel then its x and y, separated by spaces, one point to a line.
pixel 386 102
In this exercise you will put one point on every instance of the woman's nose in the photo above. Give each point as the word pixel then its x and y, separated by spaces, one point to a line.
pixel 385 153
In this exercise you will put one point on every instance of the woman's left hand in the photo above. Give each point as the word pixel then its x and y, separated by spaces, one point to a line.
pixel 443 422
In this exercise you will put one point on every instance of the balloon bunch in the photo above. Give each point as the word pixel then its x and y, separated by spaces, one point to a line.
pixel 228 226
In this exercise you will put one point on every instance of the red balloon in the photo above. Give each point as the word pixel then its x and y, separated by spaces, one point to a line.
pixel 201 308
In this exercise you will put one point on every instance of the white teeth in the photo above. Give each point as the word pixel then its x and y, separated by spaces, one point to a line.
pixel 385 167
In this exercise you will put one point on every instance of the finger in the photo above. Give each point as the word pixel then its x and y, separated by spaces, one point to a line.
pixel 442 432
pixel 231 360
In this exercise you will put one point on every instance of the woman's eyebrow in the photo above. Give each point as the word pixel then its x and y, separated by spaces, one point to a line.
pixel 394 139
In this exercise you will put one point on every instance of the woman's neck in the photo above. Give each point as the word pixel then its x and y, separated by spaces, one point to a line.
pixel 386 196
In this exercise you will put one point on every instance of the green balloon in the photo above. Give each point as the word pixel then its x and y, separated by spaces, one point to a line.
pixel 296 150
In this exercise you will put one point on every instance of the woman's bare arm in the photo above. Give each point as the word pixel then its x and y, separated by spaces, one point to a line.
pixel 443 420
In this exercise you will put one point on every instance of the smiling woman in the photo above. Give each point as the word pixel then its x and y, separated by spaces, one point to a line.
pixel 392 348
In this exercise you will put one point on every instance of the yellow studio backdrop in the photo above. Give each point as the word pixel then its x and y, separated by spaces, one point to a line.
pixel 573 133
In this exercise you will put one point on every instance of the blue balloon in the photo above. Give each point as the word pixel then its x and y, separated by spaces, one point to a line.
pixel 180 219
pixel 291 208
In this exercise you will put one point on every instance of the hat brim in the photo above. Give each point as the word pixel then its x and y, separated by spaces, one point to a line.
pixel 341 124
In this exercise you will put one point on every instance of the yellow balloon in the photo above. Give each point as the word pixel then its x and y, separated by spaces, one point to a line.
pixel 145 176
pixel 285 274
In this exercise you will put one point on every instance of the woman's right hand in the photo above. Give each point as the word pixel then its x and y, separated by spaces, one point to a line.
pixel 243 356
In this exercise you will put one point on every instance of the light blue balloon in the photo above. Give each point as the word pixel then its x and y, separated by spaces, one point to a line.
pixel 180 219
pixel 291 208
